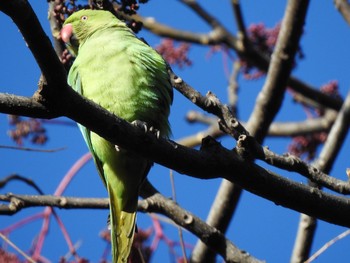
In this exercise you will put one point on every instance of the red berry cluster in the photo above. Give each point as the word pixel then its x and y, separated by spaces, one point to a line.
pixel 130 7
pixel 306 145
pixel 27 128
pixel 8 257
pixel 263 39
pixel 331 89
pixel 63 9
pixel 174 55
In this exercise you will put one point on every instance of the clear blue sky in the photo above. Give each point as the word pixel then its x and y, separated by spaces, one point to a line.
pixel 260 227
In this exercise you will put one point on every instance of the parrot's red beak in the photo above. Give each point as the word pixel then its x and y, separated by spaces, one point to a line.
pixel 66 33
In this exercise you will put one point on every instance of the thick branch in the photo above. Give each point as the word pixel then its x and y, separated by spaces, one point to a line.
pixel 18 105
pixel 19 202
pixel 211 104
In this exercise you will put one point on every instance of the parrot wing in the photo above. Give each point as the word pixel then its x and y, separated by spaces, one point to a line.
pixel 74 81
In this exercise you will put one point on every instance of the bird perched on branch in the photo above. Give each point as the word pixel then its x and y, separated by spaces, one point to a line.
pixel 125 76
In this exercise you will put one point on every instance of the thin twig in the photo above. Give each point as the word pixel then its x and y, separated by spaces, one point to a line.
pixel 8 241
pixel 182 243
pixel 242 34
pixel 233 87
pixel 20 148
pixel 209 103
pixel 17 248
pixel 16 177
pixel 327 245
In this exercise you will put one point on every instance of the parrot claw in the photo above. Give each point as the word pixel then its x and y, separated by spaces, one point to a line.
pixel 144 126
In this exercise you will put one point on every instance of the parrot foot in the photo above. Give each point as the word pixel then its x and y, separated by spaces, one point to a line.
pixel 144 126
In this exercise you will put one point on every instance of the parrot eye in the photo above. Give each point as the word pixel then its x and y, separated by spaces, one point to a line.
pixel 83 18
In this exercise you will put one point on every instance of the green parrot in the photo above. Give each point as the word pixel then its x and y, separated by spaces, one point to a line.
pixel 125 76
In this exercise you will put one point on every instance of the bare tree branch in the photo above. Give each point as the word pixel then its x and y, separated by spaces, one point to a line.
pixel 247 146
pixel 303 240
pixel 19 148
pixel 309 126
pixel 211 104
pixel 17 177
pixel 344 8
pixel 276 129
pixel 325 161
pixel 242 34
pixel 335 138
pixel 233 87
pixel 213 37
pixel 19 202
pixel 220 214
pixel 17 105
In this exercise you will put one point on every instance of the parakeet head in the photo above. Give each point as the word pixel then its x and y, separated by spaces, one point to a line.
pixel 84 23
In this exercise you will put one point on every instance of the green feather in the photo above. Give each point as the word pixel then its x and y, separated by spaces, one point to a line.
pixel 128 78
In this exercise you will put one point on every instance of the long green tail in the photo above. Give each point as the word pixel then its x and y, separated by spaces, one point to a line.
pixel 122 228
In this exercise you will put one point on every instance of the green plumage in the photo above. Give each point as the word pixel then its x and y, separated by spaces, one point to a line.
pixel 128 78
